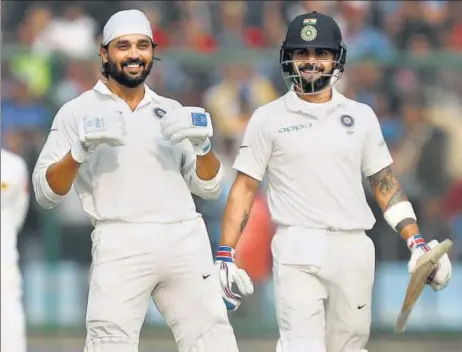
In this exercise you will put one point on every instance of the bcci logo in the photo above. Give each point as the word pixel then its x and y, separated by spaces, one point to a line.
pixel 347 121
pixel 309 33
pixel 159 112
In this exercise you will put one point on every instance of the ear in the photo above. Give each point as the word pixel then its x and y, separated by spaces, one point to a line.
pixel 103 53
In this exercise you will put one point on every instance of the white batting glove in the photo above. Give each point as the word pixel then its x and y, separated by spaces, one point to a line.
pixel 94 131
pixel 188 122
pixel 439 278
pixel 230 274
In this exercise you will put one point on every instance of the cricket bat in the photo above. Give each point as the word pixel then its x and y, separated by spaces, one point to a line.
pixel 424 267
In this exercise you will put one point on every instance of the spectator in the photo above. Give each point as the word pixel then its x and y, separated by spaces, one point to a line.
pixel 23 119
pixel 362 39
pixel 235 97
pixel 73 34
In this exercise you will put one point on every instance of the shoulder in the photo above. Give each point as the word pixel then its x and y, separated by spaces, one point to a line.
pixel 267 113
pixel 358 107
pixel 168 103
pixel 76 105
pixel 363 113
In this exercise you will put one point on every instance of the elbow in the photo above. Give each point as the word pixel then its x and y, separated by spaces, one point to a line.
pixel 212 193
pixel 211 189
pixel 44 195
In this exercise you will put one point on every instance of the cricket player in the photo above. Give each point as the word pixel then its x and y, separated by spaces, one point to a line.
pixel 313 144
pixel 15 203
pixel 134 158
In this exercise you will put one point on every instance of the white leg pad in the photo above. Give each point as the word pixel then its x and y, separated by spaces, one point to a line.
pixel 110 344
pixel 219 338
pixel 300 344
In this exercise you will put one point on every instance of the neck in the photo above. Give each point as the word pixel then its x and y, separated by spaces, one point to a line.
pixel 132 96
pixel 319 98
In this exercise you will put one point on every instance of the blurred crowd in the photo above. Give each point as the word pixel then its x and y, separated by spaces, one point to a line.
pixel 404 59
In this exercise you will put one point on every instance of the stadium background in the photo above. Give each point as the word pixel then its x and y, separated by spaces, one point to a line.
pixel 404 59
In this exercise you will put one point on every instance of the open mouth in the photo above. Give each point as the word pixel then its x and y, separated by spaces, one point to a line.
pixel 310 73
pixel 134 67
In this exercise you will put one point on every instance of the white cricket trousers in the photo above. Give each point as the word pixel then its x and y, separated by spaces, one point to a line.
pixel 170 263
pixel 323 289
pixel 13 331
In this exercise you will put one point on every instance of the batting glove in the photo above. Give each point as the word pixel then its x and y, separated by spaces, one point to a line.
pixel 192 123
pixel 230 274
pixel 94 131
pixel 440 276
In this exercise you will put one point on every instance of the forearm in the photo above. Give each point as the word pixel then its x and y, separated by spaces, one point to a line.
pixel 391 200
pixel 52 181
pixel 236 214
pixel 60 175
pixel 207 166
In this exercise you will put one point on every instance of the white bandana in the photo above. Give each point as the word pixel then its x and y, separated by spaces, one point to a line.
pixel 126 22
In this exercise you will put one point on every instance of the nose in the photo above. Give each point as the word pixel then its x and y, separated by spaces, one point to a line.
pixel 311 59
pixel 134 52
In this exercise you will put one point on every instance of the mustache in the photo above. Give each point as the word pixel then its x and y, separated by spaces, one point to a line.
pixel 309 68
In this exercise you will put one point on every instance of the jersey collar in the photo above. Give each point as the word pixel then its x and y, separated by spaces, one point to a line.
pixel 150 95
pixel 295 104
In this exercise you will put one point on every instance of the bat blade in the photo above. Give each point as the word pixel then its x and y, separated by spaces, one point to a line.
pixel 424 268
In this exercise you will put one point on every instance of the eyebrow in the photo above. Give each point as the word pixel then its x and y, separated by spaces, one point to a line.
pixel 139 41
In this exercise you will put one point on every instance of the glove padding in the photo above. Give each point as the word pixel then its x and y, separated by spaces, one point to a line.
pixel 188 122
pixel 229 274
pixel 440 277
pixel 109 130
pixel 94 131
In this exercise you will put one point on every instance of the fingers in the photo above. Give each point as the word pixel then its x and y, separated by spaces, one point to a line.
pixel 243 282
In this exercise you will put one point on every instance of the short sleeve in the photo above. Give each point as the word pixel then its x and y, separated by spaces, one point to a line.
pixel 256 148
pixel 375 153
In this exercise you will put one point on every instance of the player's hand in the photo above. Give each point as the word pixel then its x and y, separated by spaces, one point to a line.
pixel 439 278
pixel 188 122
pixel 229 274
pixel 94 131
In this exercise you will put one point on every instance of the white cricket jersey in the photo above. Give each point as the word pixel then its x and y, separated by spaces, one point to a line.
pixel 148 179
pixel 15 203
pixel 314 156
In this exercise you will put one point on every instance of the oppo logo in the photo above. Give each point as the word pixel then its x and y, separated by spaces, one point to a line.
pixel 295 128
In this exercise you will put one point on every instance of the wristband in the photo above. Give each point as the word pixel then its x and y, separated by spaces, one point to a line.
pixel 203 148
pixel 398 212
pixel 417 241
pixel 225 254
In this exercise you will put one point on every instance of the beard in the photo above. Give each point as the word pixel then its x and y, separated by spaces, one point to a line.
pixel 125 78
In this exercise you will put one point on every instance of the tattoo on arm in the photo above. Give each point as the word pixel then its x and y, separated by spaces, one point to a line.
pixel 383 181
pixel 396 198
pixel 244 221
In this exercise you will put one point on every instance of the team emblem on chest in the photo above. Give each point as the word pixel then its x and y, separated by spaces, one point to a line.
pixel 347 121
pixel 159 112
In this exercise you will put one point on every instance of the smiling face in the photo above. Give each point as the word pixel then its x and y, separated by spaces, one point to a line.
pixel 313 64
pixel 128 59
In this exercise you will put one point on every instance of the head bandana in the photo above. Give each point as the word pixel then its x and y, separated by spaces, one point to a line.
pixel 124 23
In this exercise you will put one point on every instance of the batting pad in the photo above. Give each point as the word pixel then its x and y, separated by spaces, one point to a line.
pixel 219 338
pixel 110 344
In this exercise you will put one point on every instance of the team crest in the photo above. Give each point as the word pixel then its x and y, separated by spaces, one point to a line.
pixel 159 112
pixel 309 33
pixel 347 121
